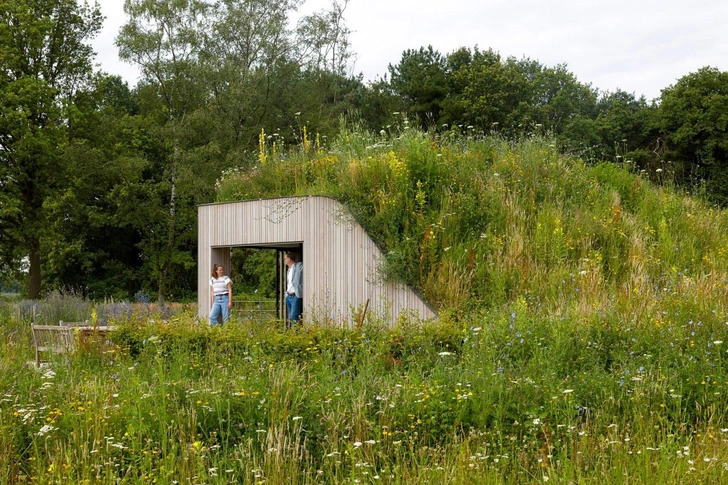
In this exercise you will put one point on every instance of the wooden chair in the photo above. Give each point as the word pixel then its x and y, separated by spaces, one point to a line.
pixel 74 324
pixel 52 338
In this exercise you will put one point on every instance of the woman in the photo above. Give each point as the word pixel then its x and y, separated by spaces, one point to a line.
pixel 221 295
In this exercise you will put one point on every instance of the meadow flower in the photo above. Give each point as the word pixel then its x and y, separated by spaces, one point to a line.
pixel 45 429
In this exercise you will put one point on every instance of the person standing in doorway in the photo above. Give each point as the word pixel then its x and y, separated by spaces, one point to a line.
pixel 221 295
pixel 294 289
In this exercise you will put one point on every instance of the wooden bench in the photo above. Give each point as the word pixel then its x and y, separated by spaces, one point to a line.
pixel 52 338
pixel 93 337
pixel 74 324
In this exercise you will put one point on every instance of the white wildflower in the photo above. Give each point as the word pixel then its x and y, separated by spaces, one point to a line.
pixel 45 430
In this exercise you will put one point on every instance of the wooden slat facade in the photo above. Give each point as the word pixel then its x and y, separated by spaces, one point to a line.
pixel 340 260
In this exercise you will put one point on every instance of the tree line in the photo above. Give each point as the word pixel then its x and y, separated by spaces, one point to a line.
pixel 100 181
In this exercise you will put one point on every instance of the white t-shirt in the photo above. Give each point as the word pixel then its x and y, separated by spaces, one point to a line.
pixel 219 285
pixel 289 289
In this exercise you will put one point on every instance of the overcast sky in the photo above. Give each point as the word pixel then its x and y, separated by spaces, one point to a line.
pixel 639 46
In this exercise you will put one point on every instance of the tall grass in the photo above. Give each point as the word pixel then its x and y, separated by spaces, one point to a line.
pixel 515 400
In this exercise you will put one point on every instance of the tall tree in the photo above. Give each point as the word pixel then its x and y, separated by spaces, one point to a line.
pixel 249 55
pixel 323 45
pixel 487 91
pixel 45 59
pixel 421 80
pixel 628 130
pixel 163 37
pixel 555 97
pixel 213 75
pixel 94 247
pixel 263 74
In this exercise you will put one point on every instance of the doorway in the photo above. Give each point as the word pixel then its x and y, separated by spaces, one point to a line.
pixel 259 280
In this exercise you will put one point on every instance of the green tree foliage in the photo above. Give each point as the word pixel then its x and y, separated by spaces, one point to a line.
pixel 44 61
pixel 554 96
pixel 486 92
pixel 323 40
pixel 254 271
pixel 260 73
pixel 694 118
pixel 213 75
pixel 249 59
pixel 478 88
pixel 630 124
pixel 92 251
pixel 378 105
pixel 420 80
pixel 165 40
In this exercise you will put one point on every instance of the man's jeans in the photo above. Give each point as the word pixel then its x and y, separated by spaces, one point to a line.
pixel 295 306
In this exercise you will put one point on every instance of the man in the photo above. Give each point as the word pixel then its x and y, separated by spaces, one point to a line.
pixel 294 289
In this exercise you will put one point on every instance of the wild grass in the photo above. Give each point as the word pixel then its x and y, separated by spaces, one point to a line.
pixel 583 338
pixel 517 399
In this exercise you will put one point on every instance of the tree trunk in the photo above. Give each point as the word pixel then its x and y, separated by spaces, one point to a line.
pixel 169 253
pixel 34 272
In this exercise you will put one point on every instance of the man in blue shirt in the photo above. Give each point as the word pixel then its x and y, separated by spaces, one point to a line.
pixel 294 289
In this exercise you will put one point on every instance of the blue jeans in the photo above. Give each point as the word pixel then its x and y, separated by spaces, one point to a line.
pixel 295 307
pixel 220 305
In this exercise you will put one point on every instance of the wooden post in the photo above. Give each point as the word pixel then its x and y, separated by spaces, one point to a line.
pixel 360 320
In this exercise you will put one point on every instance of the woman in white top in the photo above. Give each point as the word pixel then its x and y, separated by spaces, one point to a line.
pixel 221 295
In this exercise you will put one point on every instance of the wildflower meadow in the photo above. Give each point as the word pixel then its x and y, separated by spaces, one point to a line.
pixel 582 338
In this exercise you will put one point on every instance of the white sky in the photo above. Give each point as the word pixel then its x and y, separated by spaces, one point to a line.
pixel 639 46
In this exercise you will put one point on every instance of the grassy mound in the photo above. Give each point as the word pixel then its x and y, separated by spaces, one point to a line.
pixel 478 223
